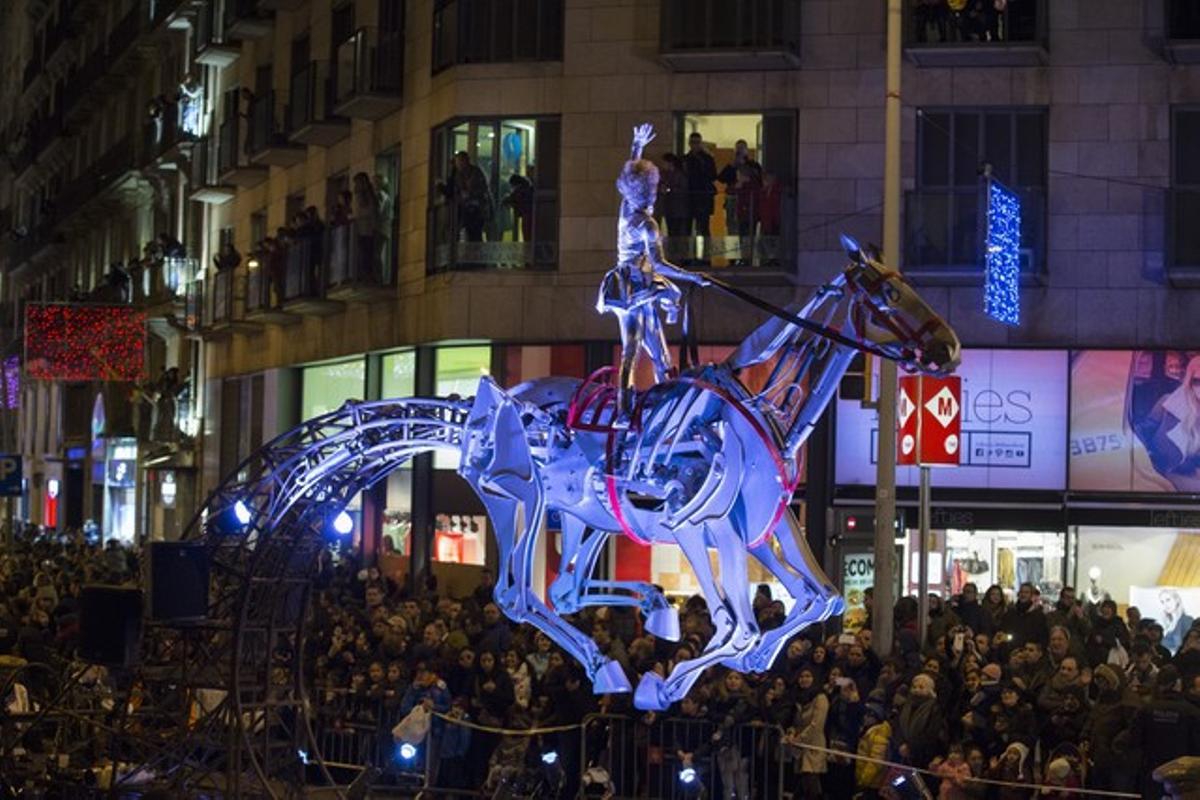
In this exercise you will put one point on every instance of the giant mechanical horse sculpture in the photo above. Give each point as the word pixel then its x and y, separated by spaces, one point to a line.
pixel 703 463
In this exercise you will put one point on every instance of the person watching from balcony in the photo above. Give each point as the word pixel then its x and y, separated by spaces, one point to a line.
pixel 520 200
pixel 701 171
pixel 170 247
pixel 467 188
pixel 673 201
pixel 366 225
pixel 227 258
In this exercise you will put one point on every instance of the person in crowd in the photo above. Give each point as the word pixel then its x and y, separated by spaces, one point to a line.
pixel 921 726
pixel 808 729
pixel 1024 621
pixel 1108 640
pixel 1068 613
pixel 674 202
pixel 1106 730
pixel 1165 728
pixel 367 227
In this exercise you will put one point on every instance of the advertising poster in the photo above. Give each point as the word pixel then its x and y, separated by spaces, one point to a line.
pixel 1175 608
pixel 1135 421
pixel 858 575
pixel 1014 426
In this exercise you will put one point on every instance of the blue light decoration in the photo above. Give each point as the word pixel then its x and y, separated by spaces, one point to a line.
pixel 1002 255
pixel 232 520
pixel 407 752
pixel 343 523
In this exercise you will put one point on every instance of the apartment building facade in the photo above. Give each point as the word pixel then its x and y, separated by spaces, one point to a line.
pixel 245 130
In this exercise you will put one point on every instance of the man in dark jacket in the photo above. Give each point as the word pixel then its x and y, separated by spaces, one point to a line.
pixel 701 171
pixel 920 730
pixel 1164 729
pixel 969 612
pixel 1110 718
pixel 1024 621
pixel 1068 614
pixel 1107 630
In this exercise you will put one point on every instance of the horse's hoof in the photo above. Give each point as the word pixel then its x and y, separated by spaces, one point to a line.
pixel 610 679
pixel 664 623
pixel 651 694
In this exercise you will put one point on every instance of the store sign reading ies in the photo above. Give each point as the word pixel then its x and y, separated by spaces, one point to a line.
pixel 1013 417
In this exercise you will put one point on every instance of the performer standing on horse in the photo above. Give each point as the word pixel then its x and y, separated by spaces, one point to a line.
pixel 642 281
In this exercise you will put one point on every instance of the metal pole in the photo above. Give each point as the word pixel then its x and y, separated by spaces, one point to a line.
pixel 923 568
pixel 885 474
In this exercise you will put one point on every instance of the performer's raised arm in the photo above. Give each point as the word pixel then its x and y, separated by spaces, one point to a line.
pixel 642 135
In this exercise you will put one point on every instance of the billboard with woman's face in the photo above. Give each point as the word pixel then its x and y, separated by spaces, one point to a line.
pixel 1135 421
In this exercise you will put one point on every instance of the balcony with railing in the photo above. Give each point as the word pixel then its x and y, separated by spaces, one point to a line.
pixel 248 19
pixel 306 275
pixel 265 290
pixel 221 305
pixel 205 181
pixel 979 35
pixel 311 116
pixel 945 231
pixel 1181 45
pixel 707 35
pixel 163 140
pixel 268 142
pixel 362 268
pixel 210 44
pixel 369 74
pixel 161 285
pixel 234 167
pixel 464 239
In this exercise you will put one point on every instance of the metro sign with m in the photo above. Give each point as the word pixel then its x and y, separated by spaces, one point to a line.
pixel 930 415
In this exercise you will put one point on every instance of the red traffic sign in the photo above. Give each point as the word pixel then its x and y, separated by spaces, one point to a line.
pixel 929 411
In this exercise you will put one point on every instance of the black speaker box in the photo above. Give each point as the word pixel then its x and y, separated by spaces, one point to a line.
pixel 178 581
pixel 110 625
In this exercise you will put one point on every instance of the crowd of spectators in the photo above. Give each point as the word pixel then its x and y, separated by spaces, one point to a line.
pixel 1009 689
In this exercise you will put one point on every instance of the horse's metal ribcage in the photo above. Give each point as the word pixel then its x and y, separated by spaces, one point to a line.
pixel 661 465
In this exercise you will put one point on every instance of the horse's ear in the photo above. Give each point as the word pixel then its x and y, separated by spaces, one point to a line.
pixel 851 246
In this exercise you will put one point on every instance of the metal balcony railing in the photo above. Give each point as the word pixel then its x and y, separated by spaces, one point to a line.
pixel 369 62
pixel 358 260
pixel 467 239
pixel 311 96
pixel 691 25
pixel 268 124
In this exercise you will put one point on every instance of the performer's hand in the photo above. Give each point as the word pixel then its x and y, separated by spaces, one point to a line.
pixel 643 135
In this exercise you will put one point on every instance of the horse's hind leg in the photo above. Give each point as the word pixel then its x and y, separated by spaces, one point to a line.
pixel 816 598
pixel 729 606
pixel 573 588
pixel 499 466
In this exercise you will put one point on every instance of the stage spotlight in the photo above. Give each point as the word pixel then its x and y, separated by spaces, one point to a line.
pixel 407 751
pixel 303 756
pixel 550 758
pixel 687 775
pixel 343 524
pixel 232 520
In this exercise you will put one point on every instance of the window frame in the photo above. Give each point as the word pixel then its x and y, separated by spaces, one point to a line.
pixel 1175 187
pixel 438 159
pixel 1033 213
pixel 544 50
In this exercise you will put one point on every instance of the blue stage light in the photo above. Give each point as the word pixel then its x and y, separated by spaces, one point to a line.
pixel 343 523
pixel 687 775
pixel 550 758
pixel 1002 255
pixel 407 752
pixel 232 520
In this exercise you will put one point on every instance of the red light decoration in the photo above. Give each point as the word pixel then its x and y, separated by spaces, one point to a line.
pixel 83 342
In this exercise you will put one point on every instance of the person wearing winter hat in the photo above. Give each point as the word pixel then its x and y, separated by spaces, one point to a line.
pixel 1011 767
pixel 1109 717
pixel 990 675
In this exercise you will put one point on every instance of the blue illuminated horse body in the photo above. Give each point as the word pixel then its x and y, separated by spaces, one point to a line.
pixel 705 464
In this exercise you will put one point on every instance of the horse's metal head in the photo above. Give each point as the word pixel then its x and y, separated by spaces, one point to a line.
pixel 894 317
